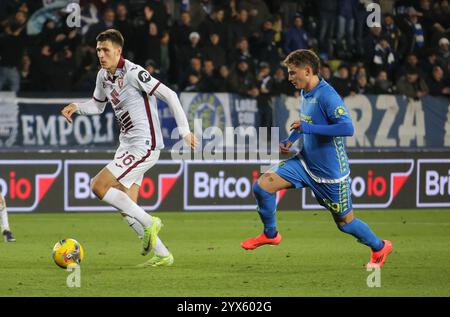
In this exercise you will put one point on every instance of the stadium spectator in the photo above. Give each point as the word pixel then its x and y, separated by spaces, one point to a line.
pixel 420 29
pixel 370 43
pixel 411 61
pixel 441 14
pixel 427 19
pixel 383 57
pixel 240 27
pixel 12 47
pixel 360 16
pixel 124 26
pixel 413 31
pixel 243 80
pixel 86 75
pixel 194 70
pixel 430 61
pixel 191 50
pixel 281 85
pixel 215 24
pixel 164 63
pixel 361 86
pixel 444 51
pixel 160 14
pixel 181 30
pixel 209 81
pixel 64 70
pixel 328 11
pixel 214 51
pixel 258 12
pixel 394 35
pixel 223 80
pixel 242 51
pixel 437 83
pixel 325 71
pixel 341 81
pixel 346 28
pixel 382 84
pixel 296 37
pixel 411 85
pixel 199 10
pixel 151 46
pixel 265 85
pixel 265 49
pixel 353 72
pixel 107 22
pixel 26 76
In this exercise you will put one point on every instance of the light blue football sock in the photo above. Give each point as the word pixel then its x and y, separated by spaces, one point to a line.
pixel 360 230
pixel 267 205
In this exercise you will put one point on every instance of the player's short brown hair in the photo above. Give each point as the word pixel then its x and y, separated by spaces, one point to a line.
pixel 302 58
pixel 111 35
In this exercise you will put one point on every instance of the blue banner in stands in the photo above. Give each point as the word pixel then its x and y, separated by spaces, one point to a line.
pixel 381 122
pixel 384 121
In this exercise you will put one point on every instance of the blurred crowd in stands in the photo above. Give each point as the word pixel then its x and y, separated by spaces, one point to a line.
pixel 230 45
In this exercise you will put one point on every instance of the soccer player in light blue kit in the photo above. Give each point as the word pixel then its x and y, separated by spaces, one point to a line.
pixel 322 164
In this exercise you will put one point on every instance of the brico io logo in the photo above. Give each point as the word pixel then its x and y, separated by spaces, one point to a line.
pixel 374 183
pixel 220 185
pixel 24 183
pixel 154 189
pixel 433 183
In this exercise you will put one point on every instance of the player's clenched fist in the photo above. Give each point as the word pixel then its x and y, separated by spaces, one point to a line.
pixel 295 125
pixel 285 146
pixel 68 111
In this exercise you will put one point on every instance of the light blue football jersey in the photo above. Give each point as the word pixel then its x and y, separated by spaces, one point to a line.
pixel 324 156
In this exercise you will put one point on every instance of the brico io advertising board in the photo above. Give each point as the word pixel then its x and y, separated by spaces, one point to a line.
pixel 60 182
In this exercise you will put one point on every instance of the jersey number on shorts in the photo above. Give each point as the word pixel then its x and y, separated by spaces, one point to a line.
pixel 126 160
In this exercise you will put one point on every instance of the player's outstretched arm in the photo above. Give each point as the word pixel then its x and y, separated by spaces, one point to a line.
pixel 68 111
pixel 170 97
pixel 337 129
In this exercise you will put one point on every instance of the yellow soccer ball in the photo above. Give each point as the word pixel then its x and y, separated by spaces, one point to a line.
pixel 67 252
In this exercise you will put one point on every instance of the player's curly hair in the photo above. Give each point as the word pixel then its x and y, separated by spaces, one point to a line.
pixel 302 58
pixel 111 35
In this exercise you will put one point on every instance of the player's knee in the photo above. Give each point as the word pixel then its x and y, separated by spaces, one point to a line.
pixel 98 187
pixel 343 220
pixel 258 189
pixel 262 184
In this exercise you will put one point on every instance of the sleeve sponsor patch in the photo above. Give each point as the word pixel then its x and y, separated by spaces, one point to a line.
pixel 144 76
pixel 339 111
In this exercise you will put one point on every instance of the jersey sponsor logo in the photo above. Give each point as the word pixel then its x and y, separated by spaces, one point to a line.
pixel 305 118
pixel 339 112
pixel 120 82
pixel 144 76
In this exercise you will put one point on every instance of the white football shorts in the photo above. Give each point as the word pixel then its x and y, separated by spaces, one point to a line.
pixel 131 162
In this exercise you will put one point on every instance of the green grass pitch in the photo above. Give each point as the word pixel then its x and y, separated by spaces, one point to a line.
pixel 314 259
